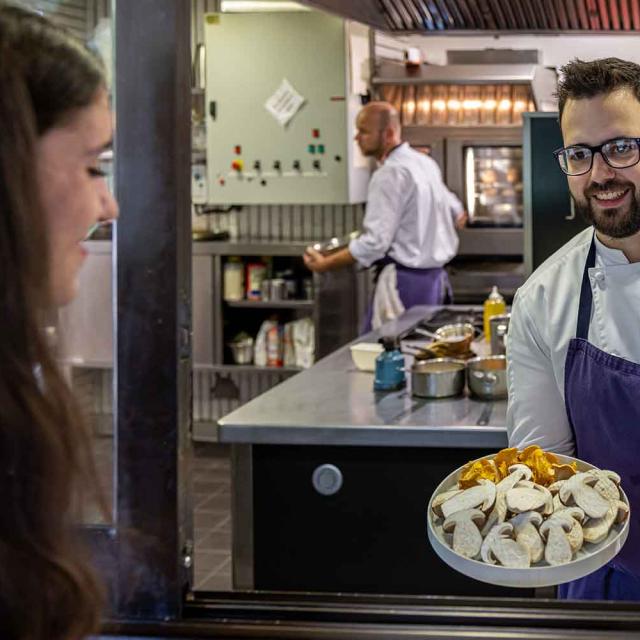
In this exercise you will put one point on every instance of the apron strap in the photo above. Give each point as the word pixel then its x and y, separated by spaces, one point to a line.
pixel 586 297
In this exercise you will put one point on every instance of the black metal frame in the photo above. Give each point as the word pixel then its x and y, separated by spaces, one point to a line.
pixel 146 556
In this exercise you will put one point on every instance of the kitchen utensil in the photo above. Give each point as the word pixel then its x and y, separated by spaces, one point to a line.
pixel 364 355
pixel 485 415
pixel 242 350
pixel 589 558
pixel 437 378
pixel 499 325
pixel 426 333
pixel 487 377
pixel 335 244
pixel 389 372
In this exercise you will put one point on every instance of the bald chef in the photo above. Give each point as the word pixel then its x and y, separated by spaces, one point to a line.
pixel 409 229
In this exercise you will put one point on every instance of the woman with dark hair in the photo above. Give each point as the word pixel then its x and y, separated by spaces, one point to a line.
pixel 55 123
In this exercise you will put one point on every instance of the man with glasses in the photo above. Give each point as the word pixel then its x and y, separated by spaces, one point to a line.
pixel 574 338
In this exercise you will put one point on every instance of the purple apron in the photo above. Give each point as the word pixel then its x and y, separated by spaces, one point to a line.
pixel 415 287
pixel 602 399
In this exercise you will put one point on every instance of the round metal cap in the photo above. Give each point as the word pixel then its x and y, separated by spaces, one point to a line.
pixel 327 479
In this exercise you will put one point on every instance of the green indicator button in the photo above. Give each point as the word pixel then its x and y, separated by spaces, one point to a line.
pixel 320 148
pixel 311 148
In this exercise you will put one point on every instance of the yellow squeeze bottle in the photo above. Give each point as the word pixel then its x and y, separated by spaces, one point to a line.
pixel 494 305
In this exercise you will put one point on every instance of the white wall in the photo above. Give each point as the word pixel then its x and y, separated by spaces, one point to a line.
pixel 556 49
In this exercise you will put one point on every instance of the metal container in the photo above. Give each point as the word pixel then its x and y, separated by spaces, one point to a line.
pixel 487 377
pixel 499 327
pixel 437 378
pixel 242 351
pixel 335 244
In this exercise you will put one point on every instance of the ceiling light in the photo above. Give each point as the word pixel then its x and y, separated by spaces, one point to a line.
pixel 248 6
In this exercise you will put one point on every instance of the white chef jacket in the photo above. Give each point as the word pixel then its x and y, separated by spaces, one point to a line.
pixel 543 321
pixel 410 213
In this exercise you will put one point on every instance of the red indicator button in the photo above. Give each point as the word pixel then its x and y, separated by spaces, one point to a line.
pixel 315 133
pixel 237 149
pixel 237 165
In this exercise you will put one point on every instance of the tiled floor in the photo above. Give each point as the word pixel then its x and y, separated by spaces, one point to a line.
pixel 212 517
pixel 212 509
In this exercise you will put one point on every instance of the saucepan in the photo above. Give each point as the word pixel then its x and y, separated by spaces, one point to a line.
pixel 487 377
pixel 437 378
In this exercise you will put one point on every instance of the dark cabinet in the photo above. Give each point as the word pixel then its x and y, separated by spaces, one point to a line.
pixel 369 537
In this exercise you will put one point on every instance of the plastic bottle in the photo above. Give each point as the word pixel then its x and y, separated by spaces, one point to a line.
pixel 494 305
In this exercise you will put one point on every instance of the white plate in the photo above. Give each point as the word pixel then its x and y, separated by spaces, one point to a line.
pixel 588 559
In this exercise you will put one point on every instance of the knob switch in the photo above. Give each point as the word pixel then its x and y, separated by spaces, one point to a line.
pixel 327 479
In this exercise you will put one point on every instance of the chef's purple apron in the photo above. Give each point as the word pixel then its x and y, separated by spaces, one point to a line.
pixel 602 399
pixel 415 287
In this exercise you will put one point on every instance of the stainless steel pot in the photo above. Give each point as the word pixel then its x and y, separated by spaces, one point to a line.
pixel 487 377
pixel 437 378
pixel 242 350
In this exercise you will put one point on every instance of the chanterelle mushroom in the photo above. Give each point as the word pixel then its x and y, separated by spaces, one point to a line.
pixel 554 530
pixel 585 496
pixel 482 496
pixel 597 529
pixel 525 526
pixel 467 540
pixel 501 547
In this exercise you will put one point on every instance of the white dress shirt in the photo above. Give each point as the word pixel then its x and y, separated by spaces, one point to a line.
pixel 543 321
pixel 410 213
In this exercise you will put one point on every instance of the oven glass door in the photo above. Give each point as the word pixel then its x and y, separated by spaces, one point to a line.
pixel 493 185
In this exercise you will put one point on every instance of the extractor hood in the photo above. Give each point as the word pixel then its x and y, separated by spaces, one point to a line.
pixel 466 94
pixel 465 16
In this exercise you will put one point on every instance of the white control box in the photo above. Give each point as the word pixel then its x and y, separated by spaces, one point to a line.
pixel 281 109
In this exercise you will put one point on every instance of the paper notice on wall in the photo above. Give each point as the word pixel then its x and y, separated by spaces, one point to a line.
pixel 284 103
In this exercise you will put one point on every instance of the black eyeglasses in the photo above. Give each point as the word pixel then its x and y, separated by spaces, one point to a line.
pixel 618 153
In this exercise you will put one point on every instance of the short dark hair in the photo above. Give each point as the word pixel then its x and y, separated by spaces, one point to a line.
pixel 580 79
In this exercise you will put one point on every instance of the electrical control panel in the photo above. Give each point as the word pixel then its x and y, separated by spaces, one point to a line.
pixel 281 110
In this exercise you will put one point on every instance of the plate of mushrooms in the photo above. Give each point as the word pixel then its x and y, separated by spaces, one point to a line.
pixel 528 518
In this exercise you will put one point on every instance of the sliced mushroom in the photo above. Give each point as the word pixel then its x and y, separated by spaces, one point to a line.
pixel 467 540
pixel 436 503
pixel 556 486
pixel 482 496
pixel 497 514
pixel 517 473
pixel 501 547
pixel 607 484
pixel 578 489
pixel 525 526
pixel 597 529
pixel 554 531
pixel 528 496
pixel 557 503
pixel 574 535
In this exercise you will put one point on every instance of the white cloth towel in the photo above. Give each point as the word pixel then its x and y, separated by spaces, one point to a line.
pixel 386 300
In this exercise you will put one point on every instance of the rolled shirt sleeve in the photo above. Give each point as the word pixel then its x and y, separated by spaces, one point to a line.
pixel 536 412
pixel 389 190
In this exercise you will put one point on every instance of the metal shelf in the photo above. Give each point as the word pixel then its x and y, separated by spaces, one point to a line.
pixel 271 304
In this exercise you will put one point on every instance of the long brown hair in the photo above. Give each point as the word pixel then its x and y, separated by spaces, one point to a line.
pixel 46 589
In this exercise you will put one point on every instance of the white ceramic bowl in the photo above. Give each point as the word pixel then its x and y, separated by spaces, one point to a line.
pixel 364 355
pixel 588 559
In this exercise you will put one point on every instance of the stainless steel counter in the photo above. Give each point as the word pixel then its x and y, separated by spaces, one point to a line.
pixel 334 404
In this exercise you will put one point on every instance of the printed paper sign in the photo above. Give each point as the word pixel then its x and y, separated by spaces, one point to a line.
pixel 284 103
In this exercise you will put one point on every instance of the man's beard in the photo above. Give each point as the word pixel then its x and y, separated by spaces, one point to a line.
pixel 615 222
